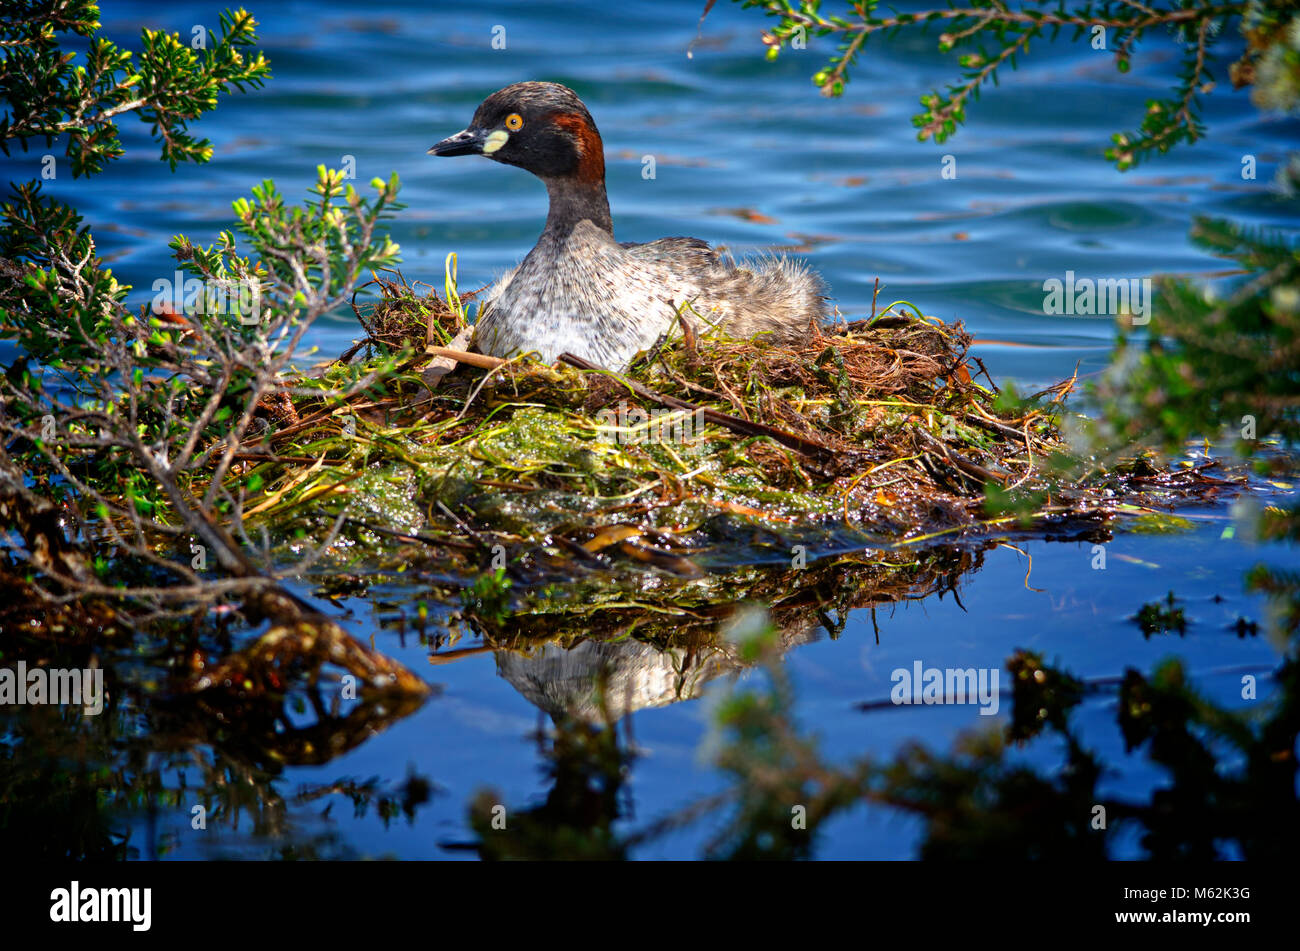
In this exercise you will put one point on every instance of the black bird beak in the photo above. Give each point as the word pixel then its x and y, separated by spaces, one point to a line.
pixel 465 142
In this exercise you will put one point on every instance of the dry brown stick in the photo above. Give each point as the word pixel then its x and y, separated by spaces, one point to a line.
pixel 347 355
pixel 320 417
pixel 995 425
pixel 459 653
pixel 682 381
pixel 969 466
pixel 985 371
pixel 480 360
pixel 808 447
pixel 736 424
pixel 1060 389
pixel 294 460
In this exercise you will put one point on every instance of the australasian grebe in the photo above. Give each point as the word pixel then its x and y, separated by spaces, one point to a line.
pixel 580 291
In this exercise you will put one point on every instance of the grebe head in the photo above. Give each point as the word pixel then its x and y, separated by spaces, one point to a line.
pixel 541 127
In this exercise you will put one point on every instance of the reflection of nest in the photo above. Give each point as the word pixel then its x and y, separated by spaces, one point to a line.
pixel 257 686
pixel 581 663
pixel 267 738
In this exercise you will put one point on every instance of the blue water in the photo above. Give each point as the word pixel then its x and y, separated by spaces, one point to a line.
pixel 746 155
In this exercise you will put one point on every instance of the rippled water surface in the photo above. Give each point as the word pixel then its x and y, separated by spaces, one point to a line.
pixel 748 155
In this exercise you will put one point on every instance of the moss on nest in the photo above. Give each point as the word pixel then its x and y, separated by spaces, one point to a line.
pixel 708 451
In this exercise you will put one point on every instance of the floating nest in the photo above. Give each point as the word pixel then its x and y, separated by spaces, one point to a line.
pixel 707 454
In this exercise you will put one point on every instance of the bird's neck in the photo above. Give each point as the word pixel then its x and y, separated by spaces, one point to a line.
pixel 573 200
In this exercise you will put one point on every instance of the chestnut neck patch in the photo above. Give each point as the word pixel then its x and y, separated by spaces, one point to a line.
pixel 591 151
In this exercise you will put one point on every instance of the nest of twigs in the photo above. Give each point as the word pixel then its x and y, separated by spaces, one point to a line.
pixel 708 451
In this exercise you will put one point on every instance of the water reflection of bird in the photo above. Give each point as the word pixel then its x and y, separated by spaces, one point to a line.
pixel 593 680
pixel 623 676
pixel 580 291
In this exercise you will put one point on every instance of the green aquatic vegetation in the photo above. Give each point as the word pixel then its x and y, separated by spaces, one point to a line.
pixel 1161 618
pixel 488 596
pixel 1158 523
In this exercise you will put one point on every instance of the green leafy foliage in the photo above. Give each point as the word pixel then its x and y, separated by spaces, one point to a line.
pixel 55 293
pixel 140 400
pixel 988 35
pixel 133 421
pixel 1214 360
pixel 49 94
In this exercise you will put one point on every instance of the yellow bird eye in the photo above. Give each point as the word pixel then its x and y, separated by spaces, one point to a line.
pixel 514 122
